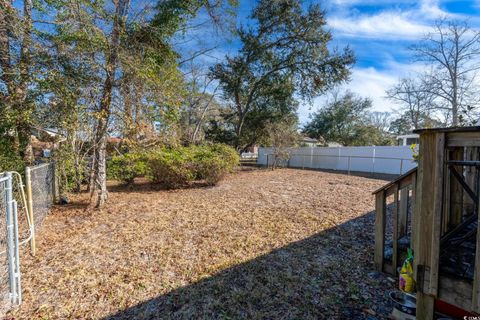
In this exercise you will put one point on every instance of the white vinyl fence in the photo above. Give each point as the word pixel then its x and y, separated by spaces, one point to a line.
pixel 375 159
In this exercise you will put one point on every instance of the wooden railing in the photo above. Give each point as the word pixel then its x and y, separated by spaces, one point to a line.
pixel 400 188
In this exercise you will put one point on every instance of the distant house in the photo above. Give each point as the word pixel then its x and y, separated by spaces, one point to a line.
pixel 408 139
pixel 252 149
pixel 309 142
pixel 44 141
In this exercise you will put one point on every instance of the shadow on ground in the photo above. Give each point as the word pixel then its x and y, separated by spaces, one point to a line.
pixel 326 276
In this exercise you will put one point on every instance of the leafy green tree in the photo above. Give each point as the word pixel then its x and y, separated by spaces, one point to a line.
pixel 401 125
pixel 404 123
pixel 346 120
pixel 90 69
pixel 284 54
pixel 17 50
pixel 133 66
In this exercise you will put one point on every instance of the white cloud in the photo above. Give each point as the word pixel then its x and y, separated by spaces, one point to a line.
pixel 431 8
pixel 386 25
pixel 369 2
pixel 403 19
pixel 369 82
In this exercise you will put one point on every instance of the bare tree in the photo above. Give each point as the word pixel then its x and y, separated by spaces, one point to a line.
pixel 380 120
pixel 282 135
pixel 416 99
pixel 201 95
pixel 453 50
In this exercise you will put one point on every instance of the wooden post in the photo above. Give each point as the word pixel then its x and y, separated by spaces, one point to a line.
pixel 471 153
pixel 446 196
pixel 456 192
pixel 437 211
pixel 28 185
pixel 379 229
pixel 395 231
pixel 476 275
pixel 55 184
pixel 403 213
pixel 412 200
pixel 422 226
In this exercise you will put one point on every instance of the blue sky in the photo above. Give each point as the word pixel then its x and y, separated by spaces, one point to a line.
pixel 379 32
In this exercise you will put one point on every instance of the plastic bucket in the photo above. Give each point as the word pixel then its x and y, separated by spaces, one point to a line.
pixel 404 303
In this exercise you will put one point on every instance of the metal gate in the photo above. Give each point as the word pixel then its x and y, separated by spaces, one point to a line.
pixel 10 289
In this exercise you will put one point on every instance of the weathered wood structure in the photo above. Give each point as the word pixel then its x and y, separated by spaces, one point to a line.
pixel 441 224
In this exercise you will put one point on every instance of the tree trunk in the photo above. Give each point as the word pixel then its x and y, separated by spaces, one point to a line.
pixel 198 124
pixel 101 181
pixel 93 167
pixel 76 161
pixel 22 107
pixel 5 26
pixel 104 110
pixel 239 127
pixel 455 103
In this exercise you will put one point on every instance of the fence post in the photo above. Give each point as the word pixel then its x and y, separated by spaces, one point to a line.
pixel 349 164
pixel 10 237
pixel 55 184
pixel 17 255
pixel 401 166
pixel 311 158
pixel 28 184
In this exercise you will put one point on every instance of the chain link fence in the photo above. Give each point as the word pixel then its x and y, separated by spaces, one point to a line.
pixel 24 222
pixel 10 289
pixel 4 278
pixel 23 209
pixel 41 184
pixel 41 192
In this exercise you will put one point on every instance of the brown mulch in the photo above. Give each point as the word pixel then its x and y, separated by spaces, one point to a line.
pixel 283 244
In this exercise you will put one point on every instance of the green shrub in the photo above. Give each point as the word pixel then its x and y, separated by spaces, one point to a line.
pixel 127 167
pixel 228 154
pixel 212 162
pixel 170 167
pixel 211 170
pixel 11 163
pixel 176 167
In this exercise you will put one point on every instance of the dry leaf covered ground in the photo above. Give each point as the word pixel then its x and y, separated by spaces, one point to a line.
pixel 284 244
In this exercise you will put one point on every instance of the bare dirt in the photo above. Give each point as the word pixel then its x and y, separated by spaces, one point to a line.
pixel 283 244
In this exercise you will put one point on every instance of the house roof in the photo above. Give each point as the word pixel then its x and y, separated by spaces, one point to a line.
pixel 53 132
pixel 308 139
pixel 411 135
